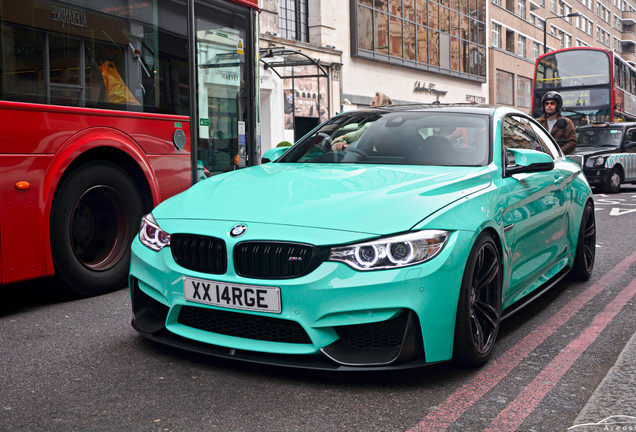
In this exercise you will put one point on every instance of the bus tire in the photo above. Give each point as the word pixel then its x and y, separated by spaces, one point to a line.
pixel 94 217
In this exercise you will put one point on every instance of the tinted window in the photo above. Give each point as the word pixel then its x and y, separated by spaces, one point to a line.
pixel 404 138
pixel 547 145
pixel 122 55
pixel 599 137
pixel 521 133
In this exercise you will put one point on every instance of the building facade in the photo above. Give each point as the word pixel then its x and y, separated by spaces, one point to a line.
pixel 521 30
pixel 321 57
pixel 419 51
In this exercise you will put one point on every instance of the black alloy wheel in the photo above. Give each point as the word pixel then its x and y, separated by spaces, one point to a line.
pixel 586 245
pixel 479 309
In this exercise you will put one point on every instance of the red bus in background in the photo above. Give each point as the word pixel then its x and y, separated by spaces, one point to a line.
pixel 96 108
pixel 596 84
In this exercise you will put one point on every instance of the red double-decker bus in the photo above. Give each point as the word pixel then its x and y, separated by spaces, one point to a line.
pixel 596 84
pixel 96 109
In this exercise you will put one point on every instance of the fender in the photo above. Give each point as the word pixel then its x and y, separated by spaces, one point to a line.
pixel 88 139
pixel 70 150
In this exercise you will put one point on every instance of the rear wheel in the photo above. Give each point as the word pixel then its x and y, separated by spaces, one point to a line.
pixel 586 246
pixel 95 215
pixel 613 181
pixel 479 309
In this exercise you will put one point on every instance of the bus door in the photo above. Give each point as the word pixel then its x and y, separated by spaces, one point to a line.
pixel 224 85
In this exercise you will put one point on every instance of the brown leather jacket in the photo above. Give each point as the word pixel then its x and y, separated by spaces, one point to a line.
pixel 565 136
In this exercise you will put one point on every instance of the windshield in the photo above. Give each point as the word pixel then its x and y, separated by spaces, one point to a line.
pixel 402 138
pixel 581 117
pixel 573 68
pixel 599 137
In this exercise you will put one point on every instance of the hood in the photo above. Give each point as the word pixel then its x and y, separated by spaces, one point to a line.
pixel 364 198
pixel 590 151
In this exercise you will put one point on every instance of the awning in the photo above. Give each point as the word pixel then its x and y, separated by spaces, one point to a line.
pixel 283 62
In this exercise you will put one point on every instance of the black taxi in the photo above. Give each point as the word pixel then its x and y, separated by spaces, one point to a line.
pixel 607 153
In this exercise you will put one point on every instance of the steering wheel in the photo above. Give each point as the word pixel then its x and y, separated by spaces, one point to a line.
pixel 360 154
pixel 326 142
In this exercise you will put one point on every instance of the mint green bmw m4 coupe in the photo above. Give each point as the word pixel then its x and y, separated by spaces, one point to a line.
pixel 387 238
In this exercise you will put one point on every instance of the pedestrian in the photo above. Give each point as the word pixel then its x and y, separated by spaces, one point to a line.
pixel 561 128
pixel 381 99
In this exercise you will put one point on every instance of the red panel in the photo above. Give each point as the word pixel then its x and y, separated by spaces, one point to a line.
pixel 250 3
pixel 38 144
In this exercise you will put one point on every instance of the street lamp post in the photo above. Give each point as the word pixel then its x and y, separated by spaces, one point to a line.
pixel 545 27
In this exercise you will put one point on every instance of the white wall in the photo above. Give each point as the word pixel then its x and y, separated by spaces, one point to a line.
pixel 271 113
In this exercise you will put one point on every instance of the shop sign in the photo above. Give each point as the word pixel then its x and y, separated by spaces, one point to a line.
pixel 476 99
pixel 421 87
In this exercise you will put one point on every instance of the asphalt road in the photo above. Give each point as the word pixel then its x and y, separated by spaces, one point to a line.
pixel 79 366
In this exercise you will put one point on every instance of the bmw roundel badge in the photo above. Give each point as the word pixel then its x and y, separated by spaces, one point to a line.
pixel 238 230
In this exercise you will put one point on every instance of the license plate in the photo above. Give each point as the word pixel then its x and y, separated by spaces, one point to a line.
pixel 234 296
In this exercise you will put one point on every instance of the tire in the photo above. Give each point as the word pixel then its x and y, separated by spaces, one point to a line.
pixel 94 217
pixel 479 307
pixel 613 181
pixel 585 246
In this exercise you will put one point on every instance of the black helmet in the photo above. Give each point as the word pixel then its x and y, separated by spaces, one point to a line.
pixel 555 96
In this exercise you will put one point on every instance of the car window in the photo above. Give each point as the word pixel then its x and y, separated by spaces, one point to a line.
pixel 631 137
pixel 517 133
pixel 547 145
pixel 599 137
pixel 418 137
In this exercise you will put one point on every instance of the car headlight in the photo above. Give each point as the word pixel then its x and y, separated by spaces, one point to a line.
pixel 391 252
pixel 599 161
pixel 151 235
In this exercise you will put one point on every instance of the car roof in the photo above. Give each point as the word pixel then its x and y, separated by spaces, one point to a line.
pixel 603 125
pixel 464 108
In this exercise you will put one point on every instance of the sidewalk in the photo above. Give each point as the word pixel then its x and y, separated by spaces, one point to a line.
pixel 615 396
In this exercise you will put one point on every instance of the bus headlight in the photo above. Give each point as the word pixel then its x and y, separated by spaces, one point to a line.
pixel 151 235
pixel 391 252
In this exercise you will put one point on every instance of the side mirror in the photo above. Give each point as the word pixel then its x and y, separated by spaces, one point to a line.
pixel 273 154
pixel 528 161
pixel 561 123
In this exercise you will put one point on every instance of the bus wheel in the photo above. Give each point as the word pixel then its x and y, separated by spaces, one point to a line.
pixel 95 215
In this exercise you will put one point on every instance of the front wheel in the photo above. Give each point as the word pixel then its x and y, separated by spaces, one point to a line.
pixel 479 308
pixel 94 217
pixel 585 246
pixel 613 181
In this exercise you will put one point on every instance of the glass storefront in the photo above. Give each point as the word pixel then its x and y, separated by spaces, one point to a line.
pixel 225 81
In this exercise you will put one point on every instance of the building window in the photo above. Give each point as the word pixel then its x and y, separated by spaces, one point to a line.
pixel 521 8
pixel 292 20
pixel 447 37
pixel 535 50
pixel 524 90
pixel 521 46
pixel 495 35
pixel 505 91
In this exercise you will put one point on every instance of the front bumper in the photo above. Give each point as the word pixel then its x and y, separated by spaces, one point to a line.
pixel 596 176
pixel 334 318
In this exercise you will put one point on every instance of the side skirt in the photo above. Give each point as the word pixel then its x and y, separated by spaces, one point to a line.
pixel 517 306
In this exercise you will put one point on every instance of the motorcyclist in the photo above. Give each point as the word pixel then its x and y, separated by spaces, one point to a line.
pixel 561 128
